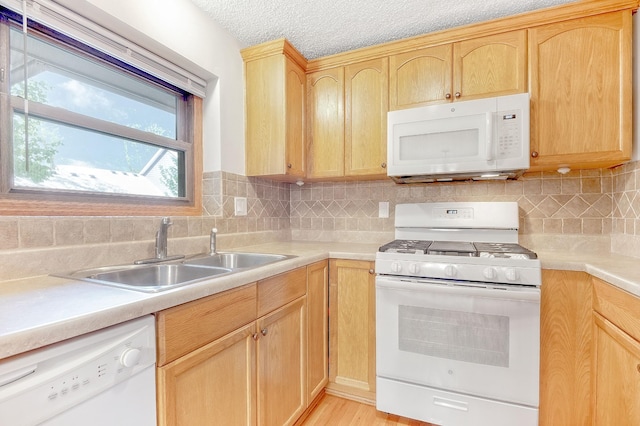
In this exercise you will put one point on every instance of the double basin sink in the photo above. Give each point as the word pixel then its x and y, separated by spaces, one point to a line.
pixel 167 275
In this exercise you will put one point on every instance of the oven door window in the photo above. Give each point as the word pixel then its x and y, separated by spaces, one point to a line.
pixel 477 341
pixel 455 335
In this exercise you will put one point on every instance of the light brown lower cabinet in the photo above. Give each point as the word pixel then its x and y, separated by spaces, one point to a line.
pixel 616 357
pixel 352 329
pixel 590 352
pixel 565 348
pixel 213 384
pixel 253 375
pixel 281 363
pixel 317 328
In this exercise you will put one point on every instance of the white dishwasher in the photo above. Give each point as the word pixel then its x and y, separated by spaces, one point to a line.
pixel 103 378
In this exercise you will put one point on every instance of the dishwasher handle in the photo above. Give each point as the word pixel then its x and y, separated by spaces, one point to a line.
pixel 15 375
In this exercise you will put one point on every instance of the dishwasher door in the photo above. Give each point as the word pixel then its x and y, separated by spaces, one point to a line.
pixel 102 378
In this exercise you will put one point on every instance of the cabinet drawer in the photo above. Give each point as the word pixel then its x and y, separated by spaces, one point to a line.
pixel 279 290
pixel 618 306
pixel 186 327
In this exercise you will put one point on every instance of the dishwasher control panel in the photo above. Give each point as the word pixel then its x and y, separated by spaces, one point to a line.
pixel 40 384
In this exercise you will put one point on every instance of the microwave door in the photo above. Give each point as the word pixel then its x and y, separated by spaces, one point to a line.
pixel 447 145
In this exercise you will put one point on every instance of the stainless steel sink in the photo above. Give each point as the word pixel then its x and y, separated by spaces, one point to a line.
pixel 149 278
pixel 164 276
pixel 235 260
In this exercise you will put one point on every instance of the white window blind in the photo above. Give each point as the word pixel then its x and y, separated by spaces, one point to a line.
pixel 77 27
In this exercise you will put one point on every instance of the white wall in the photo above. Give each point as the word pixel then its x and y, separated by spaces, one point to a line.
pixel 179 31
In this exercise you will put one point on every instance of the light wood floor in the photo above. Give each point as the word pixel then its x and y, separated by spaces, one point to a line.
pixel 335 411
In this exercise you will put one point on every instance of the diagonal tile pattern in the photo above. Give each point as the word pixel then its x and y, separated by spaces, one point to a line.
pixel 576 203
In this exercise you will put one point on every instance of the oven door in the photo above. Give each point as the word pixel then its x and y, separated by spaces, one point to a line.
pixel 454 336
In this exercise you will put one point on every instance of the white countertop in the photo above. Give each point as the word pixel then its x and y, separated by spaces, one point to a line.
pixel 38 311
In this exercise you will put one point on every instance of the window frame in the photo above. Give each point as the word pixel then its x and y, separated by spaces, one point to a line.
pixel 44 202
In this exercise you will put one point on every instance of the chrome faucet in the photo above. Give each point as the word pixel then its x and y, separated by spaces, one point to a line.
pixel 161 238
pixel 212 241
pixel 161 245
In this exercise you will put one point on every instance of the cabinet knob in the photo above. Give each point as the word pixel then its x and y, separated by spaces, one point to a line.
pixel 458 94
pixel 448 96
pixel 371 271
pixel 289 166
pixel 534 154
pixel 638 368
pixel 383 165
pixel 264 331
pixel 255 336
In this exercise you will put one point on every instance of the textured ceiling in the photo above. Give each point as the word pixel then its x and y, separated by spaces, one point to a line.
pixel 324 27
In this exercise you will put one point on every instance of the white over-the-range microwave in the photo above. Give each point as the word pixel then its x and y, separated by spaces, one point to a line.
pixel 478 139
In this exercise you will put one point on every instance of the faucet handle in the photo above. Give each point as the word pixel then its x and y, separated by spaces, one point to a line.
pixel 214 230
pixel 166 220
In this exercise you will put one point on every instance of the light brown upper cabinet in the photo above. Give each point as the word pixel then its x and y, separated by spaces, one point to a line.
pixel 494 65
pixel 366 105
pixel 581 87
pixel 325 123
pixel 275 110
pixel 347 121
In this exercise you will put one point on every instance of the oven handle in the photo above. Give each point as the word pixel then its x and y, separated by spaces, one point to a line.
pixel 458 288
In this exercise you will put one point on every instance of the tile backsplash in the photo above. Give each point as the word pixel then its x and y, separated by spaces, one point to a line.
pixel 576 204
pixel 597 209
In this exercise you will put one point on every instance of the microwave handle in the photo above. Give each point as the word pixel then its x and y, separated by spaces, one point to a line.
pixel 490 135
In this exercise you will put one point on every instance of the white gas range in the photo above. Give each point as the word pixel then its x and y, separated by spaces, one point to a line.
pixel 458 316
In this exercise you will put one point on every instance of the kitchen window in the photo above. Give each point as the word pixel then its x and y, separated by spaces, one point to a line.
pixel 79 127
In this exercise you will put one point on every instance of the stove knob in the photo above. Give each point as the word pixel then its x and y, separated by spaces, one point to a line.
pixel 396 267
pixel 490 273
pixel 511 274
pixel 450 271
pixel 414 268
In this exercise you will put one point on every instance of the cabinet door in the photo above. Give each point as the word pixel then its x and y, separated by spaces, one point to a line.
pixel 281 354
pixel 213 384
pixel 352 328
pixel 325 123
pixel 581 92
pixel 565 348
pixel 617 376
pixel 366 104
pixel 420 77
pixel 490 66
pixel 317 328
pixel 265 116
pixel 295 112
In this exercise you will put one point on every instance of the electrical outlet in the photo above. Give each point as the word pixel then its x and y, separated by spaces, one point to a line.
pixel 240 206
pixel 383 209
